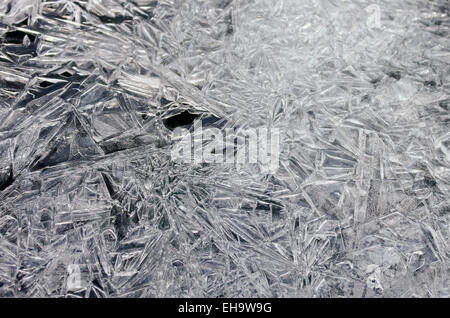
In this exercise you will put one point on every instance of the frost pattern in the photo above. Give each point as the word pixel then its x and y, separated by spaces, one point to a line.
pixel 92 206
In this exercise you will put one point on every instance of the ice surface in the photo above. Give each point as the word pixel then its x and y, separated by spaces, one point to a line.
pixel 92 93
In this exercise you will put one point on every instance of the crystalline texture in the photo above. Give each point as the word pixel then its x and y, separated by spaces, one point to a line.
pixel 92 93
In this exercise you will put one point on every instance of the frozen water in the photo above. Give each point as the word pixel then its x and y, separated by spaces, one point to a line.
pixel 92 93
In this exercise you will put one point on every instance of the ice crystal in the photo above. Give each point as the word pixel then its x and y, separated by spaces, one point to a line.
pixel 92 93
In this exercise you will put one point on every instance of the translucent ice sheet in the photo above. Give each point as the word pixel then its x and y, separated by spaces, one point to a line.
pixel 92 93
